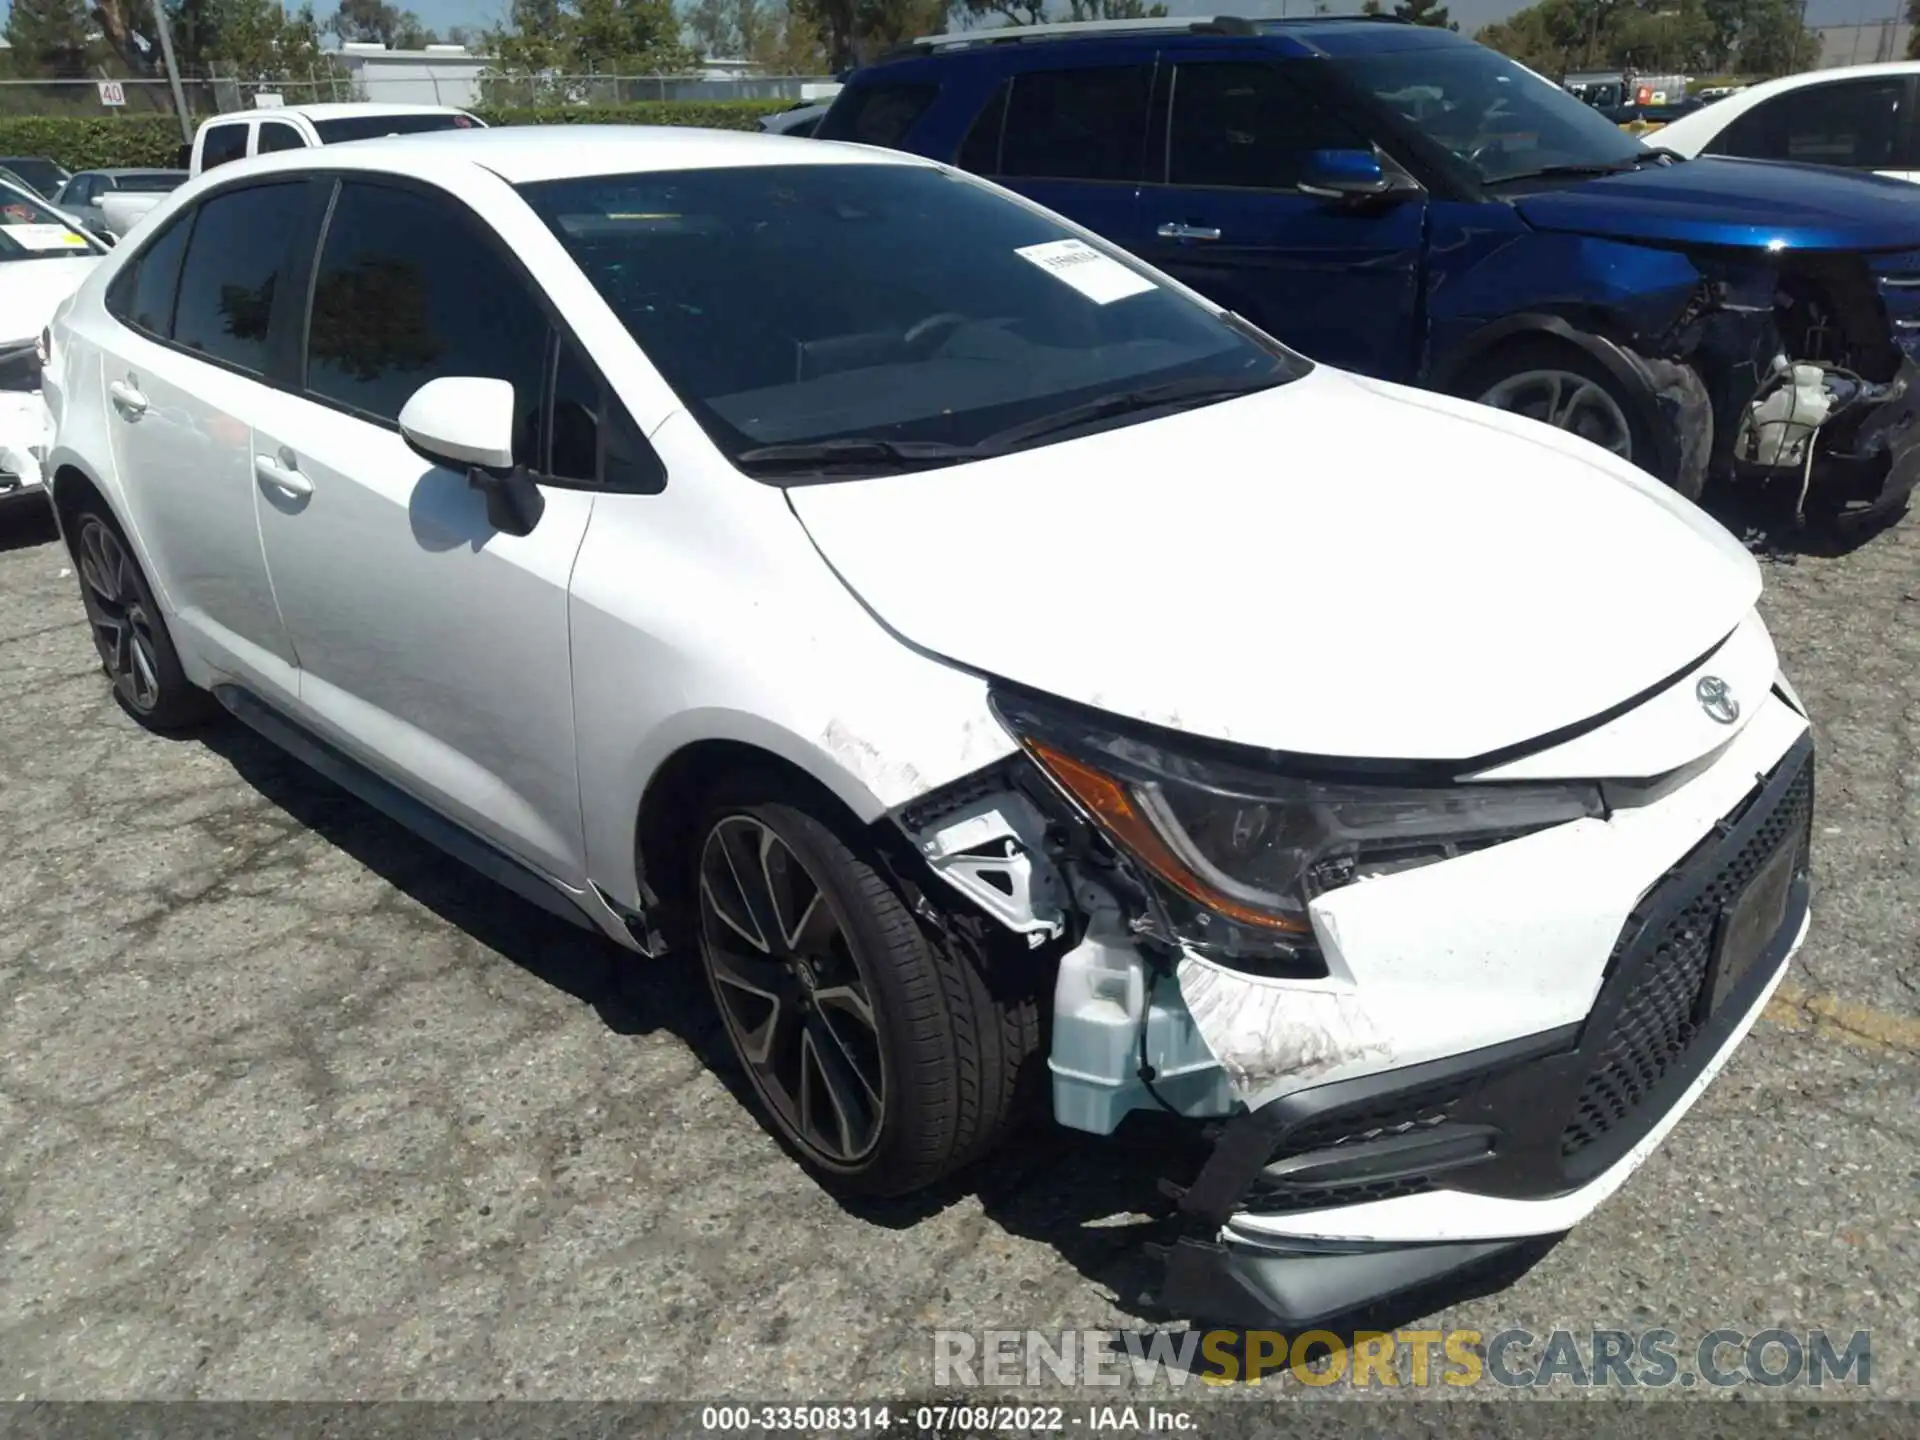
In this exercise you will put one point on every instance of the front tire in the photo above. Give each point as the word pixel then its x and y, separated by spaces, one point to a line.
pixel 878 1056
pixel 129 631
pixel 1560 386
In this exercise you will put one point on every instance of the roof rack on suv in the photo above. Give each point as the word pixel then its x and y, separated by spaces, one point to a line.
pixel 1074 29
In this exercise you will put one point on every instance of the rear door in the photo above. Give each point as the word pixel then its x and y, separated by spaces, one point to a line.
pixel 1233 129
pixel 273 135
pixel 1071 135
pixel 221 142
pixel 432 647
pixel 185 370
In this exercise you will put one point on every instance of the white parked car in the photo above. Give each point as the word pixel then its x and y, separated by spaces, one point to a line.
pixel 986 655
pixel 1856 117
pixel 235 136
pixel 44 255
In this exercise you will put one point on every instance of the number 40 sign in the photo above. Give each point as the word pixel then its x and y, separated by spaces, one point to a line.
pixel 112 92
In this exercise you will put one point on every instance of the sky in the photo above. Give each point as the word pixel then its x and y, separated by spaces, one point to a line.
pixel 1471 14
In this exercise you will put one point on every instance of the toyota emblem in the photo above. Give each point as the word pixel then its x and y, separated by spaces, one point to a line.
pixel 1716 699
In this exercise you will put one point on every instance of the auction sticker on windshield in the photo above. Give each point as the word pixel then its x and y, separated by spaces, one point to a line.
pixel 1100 278
pixel 45 237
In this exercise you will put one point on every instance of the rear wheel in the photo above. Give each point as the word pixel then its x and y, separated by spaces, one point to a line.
pixel 878 1055
pixel 128 630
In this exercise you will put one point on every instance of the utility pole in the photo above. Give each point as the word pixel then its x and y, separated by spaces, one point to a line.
pixel 173 70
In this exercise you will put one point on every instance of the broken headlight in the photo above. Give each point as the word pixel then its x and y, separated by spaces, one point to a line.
pixel 1237 852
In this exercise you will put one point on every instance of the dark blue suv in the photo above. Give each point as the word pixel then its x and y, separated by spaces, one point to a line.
pixel 1401 202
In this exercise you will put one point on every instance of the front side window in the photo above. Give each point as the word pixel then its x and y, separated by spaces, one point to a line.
pixel 407 291
pixel 1247 127
pixel 371 127
pixel 222 143
pixel 232 267
pixel 31 230
pixel 1497 120
pixel 278 135
pixel 1854 123
pixel 1086 124
pixel 887 303
pixel 877 114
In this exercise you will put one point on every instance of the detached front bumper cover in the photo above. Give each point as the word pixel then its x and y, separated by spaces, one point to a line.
pixel 1533 1119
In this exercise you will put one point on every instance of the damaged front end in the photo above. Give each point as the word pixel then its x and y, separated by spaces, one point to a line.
pixel 1808 361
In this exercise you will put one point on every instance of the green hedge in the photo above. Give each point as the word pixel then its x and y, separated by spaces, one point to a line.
pixel 94 142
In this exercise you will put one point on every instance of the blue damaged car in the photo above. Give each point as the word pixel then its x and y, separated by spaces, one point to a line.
pixel 1402 202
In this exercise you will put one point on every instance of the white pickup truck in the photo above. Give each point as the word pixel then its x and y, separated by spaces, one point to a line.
pixel 121 210
pixel 296 127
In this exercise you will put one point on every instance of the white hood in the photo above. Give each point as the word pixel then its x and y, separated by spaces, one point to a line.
pixel 31 290
pixel 1337 567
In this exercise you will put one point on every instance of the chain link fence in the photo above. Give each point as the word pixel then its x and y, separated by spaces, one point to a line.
pixel 427 82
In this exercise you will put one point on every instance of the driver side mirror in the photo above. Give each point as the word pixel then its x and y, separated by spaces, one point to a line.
pixel 1347 175
pixel 465 422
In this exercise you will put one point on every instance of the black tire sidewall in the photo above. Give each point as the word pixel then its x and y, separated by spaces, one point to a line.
pixel 179 702
pixel 885 947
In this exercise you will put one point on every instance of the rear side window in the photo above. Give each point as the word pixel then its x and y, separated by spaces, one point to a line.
pixel 407 291
pixel 239 244
pixel 1854 123
pixel 142 294
pixel 1088 124
pixel 222 143
pixel 1246 127
pixel 278 135
pixel 877 114
pixel 372 127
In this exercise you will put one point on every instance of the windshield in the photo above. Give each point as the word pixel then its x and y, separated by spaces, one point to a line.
pixel 799 304
pixel 157 180
pixel 371 127
pixel 1499 119
pixel 31 231
pixel 40 173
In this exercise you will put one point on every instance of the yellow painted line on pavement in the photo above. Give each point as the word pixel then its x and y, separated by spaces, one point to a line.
pixel 1793 1008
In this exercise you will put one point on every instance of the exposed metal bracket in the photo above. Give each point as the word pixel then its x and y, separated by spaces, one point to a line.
pixel 991 851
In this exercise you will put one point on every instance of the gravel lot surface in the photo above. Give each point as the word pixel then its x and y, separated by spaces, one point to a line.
pixel 293 1107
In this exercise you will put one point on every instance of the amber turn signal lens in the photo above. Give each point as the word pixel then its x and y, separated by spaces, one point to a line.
pixel 1106 799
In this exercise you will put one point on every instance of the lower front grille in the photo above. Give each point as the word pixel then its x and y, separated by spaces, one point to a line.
pixel 1658 1020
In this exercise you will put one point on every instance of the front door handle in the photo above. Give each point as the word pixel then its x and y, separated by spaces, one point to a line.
pixel 1174 230
pixel 281 477
pixel 127 399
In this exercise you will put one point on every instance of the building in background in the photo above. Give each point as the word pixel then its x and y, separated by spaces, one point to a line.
pixel 436 75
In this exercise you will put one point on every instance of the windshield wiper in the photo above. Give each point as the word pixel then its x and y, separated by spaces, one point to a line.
pixel 1616 167
pixel 1174 394
pixel 854 450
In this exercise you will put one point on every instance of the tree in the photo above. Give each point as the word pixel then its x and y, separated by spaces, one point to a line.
pixel 252 40
pixel 49 37
pixel 1758 37
pixel 1114 10
pixel 580 37
pixel 1371 7
pixel 1424 12
pixel 375 21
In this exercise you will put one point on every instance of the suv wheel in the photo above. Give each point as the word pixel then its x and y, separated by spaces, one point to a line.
pixel 1558 386
pixel 128 631
pixel 878 1056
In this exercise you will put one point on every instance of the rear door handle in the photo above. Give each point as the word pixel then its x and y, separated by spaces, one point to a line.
pixel 127 399
pixel 1173 230
pixel 281 477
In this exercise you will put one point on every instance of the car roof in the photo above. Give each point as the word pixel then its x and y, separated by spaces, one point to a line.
pixel 338 110
pixel 1709 120
pixel 1297 37
pixel 520 154
pixel 135 170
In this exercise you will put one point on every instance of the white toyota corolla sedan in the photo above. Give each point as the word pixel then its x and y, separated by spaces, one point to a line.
pixel 990 658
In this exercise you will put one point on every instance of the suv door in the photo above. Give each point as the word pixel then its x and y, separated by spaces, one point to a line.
pixel 1071 136
pixel 432 647
pixel 1864 124
pixel 1338 281
pixel 185 368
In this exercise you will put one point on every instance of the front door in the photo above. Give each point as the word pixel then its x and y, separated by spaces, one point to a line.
pixel 1338 283
pixel 432 647
pixel 184 370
